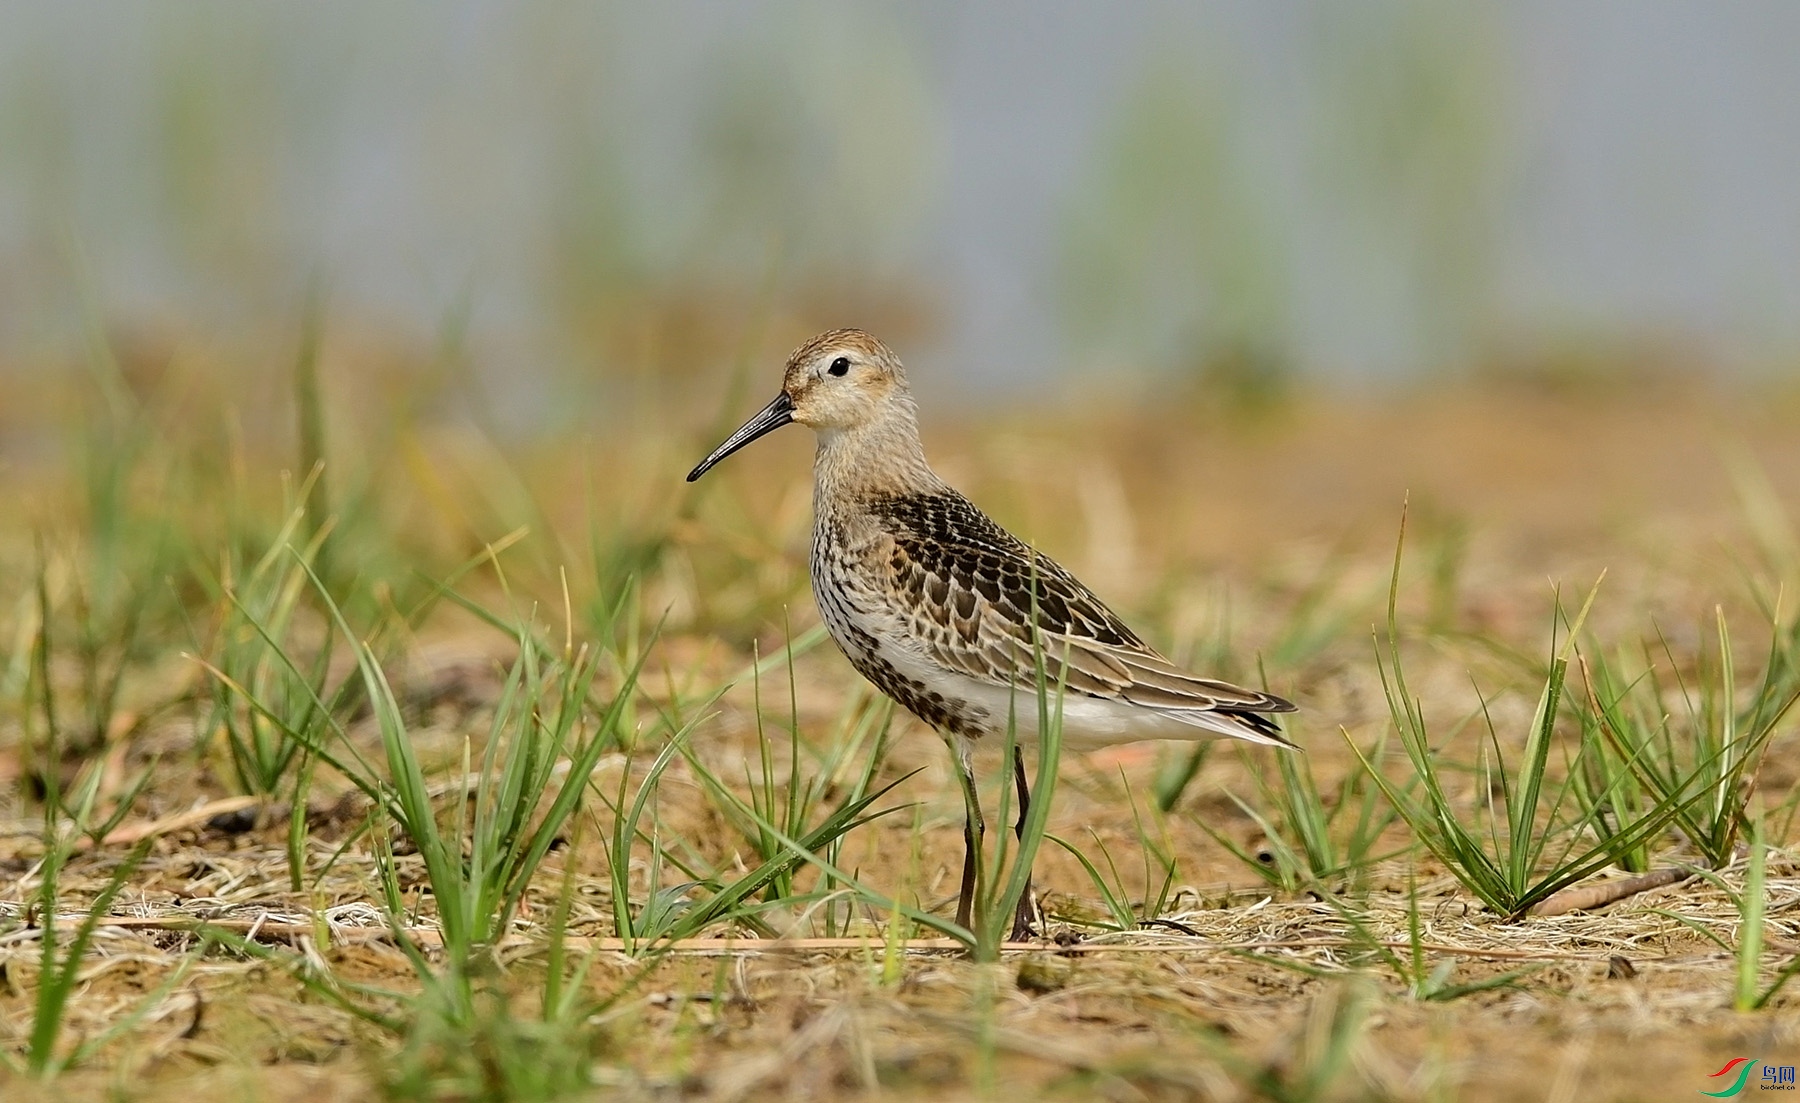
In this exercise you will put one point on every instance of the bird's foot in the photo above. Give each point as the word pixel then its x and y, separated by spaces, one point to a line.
pixel 1026 917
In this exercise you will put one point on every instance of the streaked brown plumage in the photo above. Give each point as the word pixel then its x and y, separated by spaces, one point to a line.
pixel 945 611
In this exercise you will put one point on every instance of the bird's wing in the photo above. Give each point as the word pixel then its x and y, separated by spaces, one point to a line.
pixel 969 590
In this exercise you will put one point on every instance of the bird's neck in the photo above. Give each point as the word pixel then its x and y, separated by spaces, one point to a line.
pixel 880 458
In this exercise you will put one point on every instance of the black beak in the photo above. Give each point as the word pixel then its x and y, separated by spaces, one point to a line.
pixel 767 420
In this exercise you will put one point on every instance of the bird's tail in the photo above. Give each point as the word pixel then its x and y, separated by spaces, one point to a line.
pixel 1250 726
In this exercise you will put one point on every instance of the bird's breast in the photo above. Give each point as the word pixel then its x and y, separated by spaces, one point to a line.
pixel 869 629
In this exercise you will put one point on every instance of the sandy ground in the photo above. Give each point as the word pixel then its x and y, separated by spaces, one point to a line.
pixel 1275 531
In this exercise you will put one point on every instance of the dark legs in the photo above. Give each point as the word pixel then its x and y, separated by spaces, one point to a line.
pixel 974 828
pixel 1027 911
pixel 965 901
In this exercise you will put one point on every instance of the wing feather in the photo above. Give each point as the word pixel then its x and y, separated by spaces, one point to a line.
pixel 968 586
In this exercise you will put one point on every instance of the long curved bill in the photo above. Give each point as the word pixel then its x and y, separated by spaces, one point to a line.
pixel 768 419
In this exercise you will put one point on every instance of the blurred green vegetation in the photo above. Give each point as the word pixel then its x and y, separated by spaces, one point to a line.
pixel 605 200
pixel 192 170
pixel 1188 247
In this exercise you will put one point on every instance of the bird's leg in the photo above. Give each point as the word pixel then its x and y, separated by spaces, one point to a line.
pixel 1027 911
pixel 965 899
pixel 973 829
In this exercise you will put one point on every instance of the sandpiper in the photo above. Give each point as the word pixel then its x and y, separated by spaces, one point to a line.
pixel 932 601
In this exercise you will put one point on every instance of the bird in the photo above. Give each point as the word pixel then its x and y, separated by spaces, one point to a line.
pixel 948 613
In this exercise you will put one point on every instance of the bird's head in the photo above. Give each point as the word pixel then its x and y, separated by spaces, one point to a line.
pixel 840 380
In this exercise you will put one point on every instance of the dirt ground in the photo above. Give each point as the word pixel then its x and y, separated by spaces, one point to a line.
pixel 1227 539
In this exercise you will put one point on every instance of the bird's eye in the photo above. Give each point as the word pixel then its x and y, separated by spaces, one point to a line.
pixel 840 366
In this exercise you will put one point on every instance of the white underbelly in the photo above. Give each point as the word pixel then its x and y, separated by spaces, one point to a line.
pixel 1088 723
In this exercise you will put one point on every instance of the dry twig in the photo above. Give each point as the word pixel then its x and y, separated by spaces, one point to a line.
pixel 1589 897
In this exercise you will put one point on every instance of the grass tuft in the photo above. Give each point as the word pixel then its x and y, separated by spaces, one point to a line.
pixel 1515 851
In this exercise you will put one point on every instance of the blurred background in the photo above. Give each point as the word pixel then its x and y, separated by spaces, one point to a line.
pixel 439 300
pixel 1021 196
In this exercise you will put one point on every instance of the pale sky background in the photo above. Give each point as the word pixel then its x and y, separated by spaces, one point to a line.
pixel 1364 190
